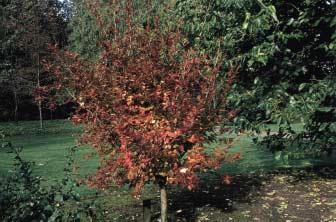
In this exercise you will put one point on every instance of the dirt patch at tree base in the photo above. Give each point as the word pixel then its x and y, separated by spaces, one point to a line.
pixel 295 196
pixel 281 199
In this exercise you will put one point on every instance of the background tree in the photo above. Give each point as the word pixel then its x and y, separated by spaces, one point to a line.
pixel 85 36
pixel 14 85
pixel 28 28
pixel 84 31
pixel 286 53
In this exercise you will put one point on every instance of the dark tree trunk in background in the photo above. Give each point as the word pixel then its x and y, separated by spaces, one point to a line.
pixel 16 106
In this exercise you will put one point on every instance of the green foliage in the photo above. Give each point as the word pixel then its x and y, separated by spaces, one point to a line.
pixel 84 31
pixel 285 51
pixel 317 101
pixel 235 28
pixel 24 198
pixel 85 36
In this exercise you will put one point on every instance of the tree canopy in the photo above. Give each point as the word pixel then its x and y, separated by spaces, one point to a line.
pixel 286 54
pixel 27 29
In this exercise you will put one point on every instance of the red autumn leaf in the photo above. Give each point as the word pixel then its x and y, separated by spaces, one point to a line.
pixel 194 139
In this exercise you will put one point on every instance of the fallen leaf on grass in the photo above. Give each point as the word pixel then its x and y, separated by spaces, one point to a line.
pixel 271 193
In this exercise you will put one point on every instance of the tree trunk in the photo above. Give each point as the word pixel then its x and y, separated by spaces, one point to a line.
pixel 147 214
pixel 14 84
pixel 40 114
pixel 16 106
pixel 38 85
pixel 38 68
pixel 164 203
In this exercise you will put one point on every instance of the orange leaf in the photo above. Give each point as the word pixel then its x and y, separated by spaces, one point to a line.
pixel 194 139
pixel 227 179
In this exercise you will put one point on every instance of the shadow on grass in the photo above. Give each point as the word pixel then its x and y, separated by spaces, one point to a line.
pixel 244 189
pixel 214 194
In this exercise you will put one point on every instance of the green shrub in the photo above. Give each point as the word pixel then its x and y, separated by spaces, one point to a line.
pixel 24 198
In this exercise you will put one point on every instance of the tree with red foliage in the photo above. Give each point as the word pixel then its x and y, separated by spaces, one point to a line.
pixel 146 105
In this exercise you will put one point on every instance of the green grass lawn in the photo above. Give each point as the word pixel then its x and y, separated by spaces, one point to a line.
pixel 25 128
pixel 49 152
pixel 49 148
